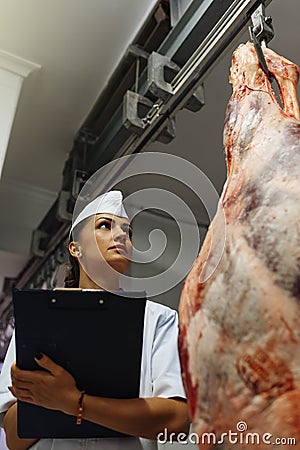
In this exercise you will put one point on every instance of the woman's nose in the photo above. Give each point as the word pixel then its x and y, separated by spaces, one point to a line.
pixel 119 234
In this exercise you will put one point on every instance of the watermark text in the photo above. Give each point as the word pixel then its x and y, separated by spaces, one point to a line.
pixel 238 436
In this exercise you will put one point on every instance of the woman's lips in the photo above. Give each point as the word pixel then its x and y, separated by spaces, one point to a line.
pixel 120 248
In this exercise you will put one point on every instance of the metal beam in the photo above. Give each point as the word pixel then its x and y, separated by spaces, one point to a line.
pixel 198 40
pixel 227 19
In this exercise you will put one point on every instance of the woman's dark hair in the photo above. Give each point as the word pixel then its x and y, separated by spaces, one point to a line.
pixel 72 278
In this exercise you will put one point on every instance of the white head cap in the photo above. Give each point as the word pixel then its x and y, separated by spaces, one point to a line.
pixel 110 203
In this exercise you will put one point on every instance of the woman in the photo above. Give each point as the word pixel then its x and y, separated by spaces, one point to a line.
pixel 99 255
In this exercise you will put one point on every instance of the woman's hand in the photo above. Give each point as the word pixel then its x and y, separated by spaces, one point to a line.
pixel 55 388
pixel 52 388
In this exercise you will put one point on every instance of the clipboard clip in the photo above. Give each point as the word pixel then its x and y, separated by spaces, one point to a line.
pixel 71 303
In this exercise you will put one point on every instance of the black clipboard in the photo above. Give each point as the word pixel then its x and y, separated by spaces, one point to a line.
pixel 96 335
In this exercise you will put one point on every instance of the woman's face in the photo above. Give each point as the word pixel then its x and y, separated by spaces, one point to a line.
pixel 105 238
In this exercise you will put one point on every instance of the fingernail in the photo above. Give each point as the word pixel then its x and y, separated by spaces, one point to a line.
pixel 38 355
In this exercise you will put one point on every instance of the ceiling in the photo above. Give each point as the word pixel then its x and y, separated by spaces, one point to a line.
pixel 77 44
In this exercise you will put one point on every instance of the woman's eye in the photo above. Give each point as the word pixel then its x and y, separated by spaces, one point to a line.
pixel 103 225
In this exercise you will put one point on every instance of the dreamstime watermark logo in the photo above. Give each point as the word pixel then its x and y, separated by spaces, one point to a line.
pixel 240 436
pixel 169 204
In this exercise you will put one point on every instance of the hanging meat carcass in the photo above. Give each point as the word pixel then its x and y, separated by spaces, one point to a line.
pixel 240 327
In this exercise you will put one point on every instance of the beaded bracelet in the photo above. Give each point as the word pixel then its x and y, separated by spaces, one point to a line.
pixel 80 409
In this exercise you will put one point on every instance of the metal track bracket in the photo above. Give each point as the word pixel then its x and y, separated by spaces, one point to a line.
pixel 135 110
pixel 139 111
pixel 37 248
pixel 161 70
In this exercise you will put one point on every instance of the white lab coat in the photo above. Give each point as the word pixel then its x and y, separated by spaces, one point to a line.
pixel 160 377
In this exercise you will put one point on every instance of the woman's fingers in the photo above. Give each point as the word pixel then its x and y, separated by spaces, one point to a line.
pixel 26 395
pixel 21 375
pixel 48 387
pixel 11 389
pixel 49 366
pixel 46 363
pixel 33 376
pixel 18 377
pixel 21 394
pixel 21 384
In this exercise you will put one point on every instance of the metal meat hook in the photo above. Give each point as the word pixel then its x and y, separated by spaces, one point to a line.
pixel 261 33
